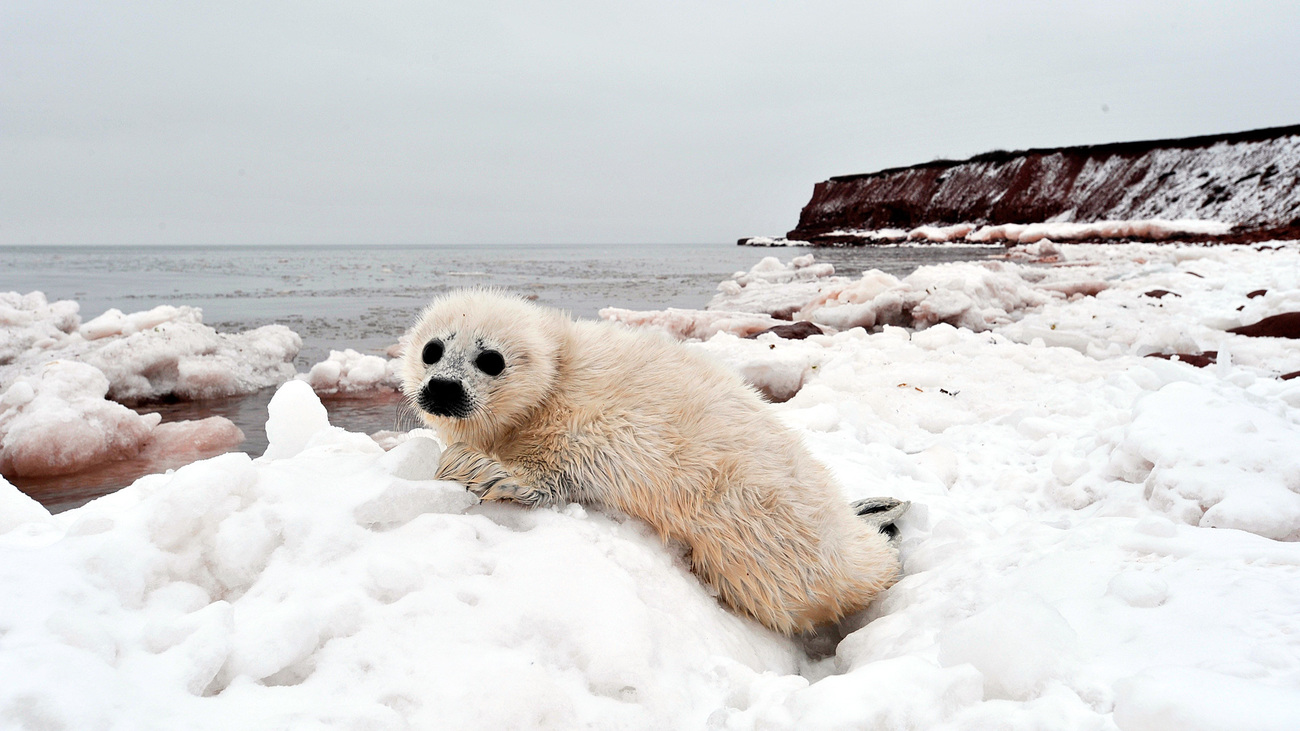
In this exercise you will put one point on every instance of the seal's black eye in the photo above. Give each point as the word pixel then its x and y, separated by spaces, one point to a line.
pixel 432 352
pixel 490 362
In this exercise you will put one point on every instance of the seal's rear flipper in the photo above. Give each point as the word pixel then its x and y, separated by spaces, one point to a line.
pixel 882 512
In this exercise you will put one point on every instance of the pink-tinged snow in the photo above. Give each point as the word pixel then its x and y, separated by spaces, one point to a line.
pixel 63 382
pixel 1098 540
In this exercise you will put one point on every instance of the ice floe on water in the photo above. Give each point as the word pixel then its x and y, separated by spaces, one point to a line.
pixel 63 382
pixel 348 371
pixel 1098 539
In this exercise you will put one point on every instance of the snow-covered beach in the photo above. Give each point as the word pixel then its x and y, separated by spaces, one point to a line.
pixel 1098 539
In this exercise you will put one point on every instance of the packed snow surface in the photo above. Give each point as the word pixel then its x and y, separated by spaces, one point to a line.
pixel 1097 539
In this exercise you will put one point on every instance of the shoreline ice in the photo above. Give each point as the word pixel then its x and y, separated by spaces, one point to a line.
pixel 970 234
pixel 63 383
pixel 1098 539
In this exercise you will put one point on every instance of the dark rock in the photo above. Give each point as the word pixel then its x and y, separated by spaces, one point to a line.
pixel 793 331
pixel 1285 325
pixel 1256 293
pixel 1289 376
pixel 1159 293
pixel 1200 361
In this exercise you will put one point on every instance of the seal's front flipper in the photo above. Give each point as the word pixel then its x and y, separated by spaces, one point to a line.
pixel 882 512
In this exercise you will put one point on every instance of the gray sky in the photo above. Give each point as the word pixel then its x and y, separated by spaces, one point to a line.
pixel 486 122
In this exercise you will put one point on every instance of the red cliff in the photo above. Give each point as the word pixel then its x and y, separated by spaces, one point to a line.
pixel 1250 180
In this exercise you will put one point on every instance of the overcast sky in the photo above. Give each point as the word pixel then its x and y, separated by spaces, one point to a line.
pixel 488 122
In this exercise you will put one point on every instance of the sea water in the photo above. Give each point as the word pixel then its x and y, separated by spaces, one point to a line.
pixel 365 297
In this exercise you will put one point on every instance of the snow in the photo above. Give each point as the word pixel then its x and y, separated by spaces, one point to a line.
pixel 941 234
pixel 1155 229
pixel 769 241
pixel 348 371
pixel 58 421
pixel 165 352
pixel 30 322
pixel 1097 539
pixel 1151 229
pixel 696 324
pixel 63 383
pixel 882 235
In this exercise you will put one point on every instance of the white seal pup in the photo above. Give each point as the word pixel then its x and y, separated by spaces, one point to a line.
pixel 537 408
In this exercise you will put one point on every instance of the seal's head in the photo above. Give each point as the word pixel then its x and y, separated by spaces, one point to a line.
pixel 478 361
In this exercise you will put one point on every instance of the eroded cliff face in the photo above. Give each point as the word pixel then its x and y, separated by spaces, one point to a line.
pixel 1250 180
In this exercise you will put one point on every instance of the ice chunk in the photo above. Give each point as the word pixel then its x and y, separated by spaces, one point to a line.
pixel 348 371
pixel 414 459
pixel 188 440
pixel 191 361
pixel 114 322
pixel 57 422
pixel 295 415
pixel 941 234
pixel 29 322
pixel 773 288
pixel 693 324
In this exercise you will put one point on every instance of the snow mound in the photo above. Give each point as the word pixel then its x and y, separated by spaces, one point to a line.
pixel 978 296
pixel 1216 461
pixel 773 288
pixel 191 361
pixel 315 586
pixel 28 322
pixel 59 422
pixel 348 371
pixel 964 294
pixel 166 352
pixel 941 234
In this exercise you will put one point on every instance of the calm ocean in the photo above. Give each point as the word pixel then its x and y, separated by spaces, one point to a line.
pixel 364 297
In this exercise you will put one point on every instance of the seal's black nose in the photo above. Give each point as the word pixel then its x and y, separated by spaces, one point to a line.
pixel 444 398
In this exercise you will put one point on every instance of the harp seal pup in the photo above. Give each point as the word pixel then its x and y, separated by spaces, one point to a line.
pixel 538 409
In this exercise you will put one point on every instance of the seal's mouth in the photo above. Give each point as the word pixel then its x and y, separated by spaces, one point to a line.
pixel 442 397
